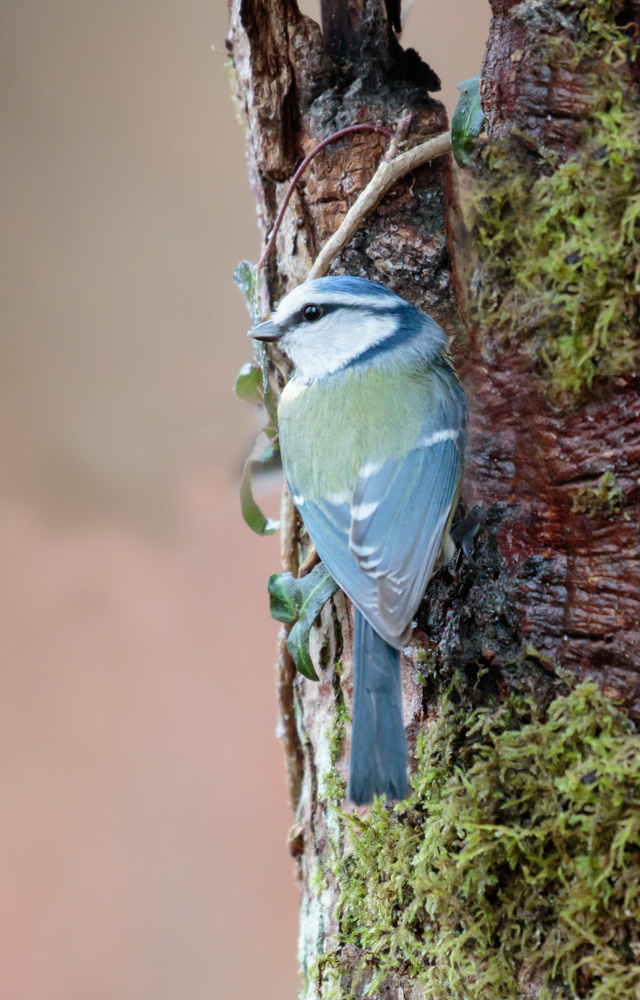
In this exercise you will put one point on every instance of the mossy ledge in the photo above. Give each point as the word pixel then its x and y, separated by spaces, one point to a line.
pixel 559 239
pixel 607 495
pixel 512 871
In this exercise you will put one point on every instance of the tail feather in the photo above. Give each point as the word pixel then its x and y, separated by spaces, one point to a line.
pixel 378 764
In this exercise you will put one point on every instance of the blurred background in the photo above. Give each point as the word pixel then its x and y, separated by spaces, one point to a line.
pixel 143 805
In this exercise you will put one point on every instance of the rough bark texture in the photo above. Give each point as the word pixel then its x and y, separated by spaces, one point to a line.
pixel 569 581
pixel 556 585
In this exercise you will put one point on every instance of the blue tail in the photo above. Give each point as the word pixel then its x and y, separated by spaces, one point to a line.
pixel 378 763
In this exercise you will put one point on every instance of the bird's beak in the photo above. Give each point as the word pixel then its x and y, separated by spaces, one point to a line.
pixel 266 332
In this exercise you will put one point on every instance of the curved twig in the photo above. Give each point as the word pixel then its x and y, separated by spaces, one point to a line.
pixel 388 173
pixel 301 169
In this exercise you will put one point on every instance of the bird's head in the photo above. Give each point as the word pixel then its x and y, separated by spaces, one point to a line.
pixel 328 324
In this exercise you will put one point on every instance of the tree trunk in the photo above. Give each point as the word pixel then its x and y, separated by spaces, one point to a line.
pixel 513 868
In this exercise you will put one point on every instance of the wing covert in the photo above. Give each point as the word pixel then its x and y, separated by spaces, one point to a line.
pixel 396 535
pixel 381 545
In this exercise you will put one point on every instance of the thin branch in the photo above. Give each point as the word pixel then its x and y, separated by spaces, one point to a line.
pixel 286 669
pixel 301 169
pixel 289 548
pixel 388 173
pixel 312 560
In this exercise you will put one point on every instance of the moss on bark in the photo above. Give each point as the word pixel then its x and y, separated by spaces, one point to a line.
pixel 517 858
pixel 559 237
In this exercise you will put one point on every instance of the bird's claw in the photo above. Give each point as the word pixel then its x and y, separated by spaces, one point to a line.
pixel 465 531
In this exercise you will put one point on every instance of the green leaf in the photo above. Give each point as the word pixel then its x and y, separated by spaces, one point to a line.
pixel 249 383
pixel 282 605
pixel 268 398
pixel 247 279
pixel 300 601
pixel 467 122
pixel 298 646
pixel 251 513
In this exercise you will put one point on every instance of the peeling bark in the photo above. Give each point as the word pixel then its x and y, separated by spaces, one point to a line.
pixel 555 587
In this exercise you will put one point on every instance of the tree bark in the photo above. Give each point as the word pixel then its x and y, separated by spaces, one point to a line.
pixel 553 469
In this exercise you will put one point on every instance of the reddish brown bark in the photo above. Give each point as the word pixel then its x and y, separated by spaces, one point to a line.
pixel 306 94
pixel 561 582
pixel 565 584
pixel 548 104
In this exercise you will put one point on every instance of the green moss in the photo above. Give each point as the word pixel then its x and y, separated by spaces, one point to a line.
pixel 318 880
pixel 559 241
pixel 517 857
pixel 425 669
pixel 333 787
pixel 607 495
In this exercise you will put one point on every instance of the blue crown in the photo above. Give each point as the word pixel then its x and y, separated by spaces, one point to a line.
pixel 354 286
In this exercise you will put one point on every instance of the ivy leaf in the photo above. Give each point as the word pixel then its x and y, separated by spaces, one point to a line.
pixel 282 605
pixel 268 397
pixel 251 513
pixel 467 122
pixel 298 646
pixel 253 385
pixel 300 601
pixel 248 384
pixel 247 279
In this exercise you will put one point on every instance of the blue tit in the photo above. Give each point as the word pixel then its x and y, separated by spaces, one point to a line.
pixel 372 435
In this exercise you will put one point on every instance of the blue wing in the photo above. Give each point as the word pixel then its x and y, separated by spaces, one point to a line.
pixel 382 546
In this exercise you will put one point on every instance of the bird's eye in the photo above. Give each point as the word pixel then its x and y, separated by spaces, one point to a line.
pixel 312 313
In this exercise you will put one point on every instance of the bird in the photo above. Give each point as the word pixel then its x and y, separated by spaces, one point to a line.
pixel 372 428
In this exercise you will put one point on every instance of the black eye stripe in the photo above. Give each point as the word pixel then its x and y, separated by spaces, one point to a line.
pixel 351 310
pixel 298 319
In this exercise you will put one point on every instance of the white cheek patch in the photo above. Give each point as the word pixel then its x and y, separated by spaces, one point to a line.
pixel 317 349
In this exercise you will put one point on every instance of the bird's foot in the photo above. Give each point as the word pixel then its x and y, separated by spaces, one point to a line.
pixel 465 531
